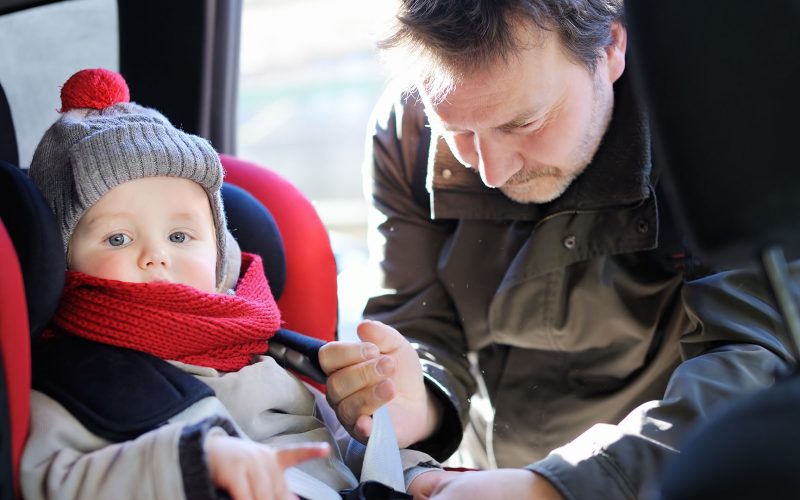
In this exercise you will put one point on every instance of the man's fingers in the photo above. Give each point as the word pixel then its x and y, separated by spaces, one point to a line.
pixel 365 402
pixel 365 375
pixel 334 356
pixel 291 455
pixel 376 338
pixel 384 336
pixel 363 428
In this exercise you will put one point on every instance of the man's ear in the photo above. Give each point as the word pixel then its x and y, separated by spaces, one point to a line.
pixel 615 53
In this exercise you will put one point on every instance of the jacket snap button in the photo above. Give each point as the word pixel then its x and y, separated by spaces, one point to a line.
pixel 643 226
pixel 446 173
pixel 569 242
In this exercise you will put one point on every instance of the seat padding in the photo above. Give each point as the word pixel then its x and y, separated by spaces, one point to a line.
pixel 308 303
pixel 256 232
pixel 15 355
pixel 37 240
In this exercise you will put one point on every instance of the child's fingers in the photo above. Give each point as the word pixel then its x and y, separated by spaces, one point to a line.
pixel 291 455
pixel 334 356
pixel 239 486
pixel 271 483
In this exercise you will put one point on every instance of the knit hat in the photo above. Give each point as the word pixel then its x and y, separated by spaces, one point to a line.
pixel 102 140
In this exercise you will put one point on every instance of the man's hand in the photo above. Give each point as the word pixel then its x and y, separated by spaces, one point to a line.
pixel 249 470
pixel 511 484
pixel 363 376
pixel 423 486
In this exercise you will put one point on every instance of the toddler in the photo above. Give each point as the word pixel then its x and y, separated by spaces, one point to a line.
pixel 151 381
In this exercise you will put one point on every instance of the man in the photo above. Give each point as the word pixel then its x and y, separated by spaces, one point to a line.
pixel 531 263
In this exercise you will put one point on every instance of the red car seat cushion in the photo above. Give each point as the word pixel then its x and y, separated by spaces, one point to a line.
pixel 308 303
pixel 15 347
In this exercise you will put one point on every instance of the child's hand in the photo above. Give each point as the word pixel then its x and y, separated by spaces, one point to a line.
pixel 363 376
pixel 249 470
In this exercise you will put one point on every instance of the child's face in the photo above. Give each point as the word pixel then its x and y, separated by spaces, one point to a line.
pixel 149 229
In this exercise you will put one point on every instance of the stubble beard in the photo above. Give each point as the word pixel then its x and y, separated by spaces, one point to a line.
pixel 544 183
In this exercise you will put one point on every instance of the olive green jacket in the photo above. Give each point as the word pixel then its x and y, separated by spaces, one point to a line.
pixel 595 348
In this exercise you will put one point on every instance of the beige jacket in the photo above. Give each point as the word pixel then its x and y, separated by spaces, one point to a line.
pixel 262 402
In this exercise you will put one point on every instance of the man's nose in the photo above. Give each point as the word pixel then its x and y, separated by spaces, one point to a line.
pixel 154 256
pixel 496 161
pixel 463 146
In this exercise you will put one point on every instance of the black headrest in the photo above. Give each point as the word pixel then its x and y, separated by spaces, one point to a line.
pixel 8 135
pixel 721 83
pixel 37 240
pixel 745 451
pixel 255 230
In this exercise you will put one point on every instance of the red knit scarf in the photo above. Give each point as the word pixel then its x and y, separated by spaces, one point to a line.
pixel 174 321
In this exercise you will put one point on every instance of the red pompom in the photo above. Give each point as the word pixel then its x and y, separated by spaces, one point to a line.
pixel 93 88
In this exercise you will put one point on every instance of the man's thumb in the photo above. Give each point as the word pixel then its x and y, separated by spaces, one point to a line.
pixel 384 336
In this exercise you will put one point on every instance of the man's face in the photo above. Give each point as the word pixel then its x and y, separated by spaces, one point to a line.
pixel 532 124
pixel 149 229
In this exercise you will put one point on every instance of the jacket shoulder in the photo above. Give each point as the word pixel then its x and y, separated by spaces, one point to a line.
pixel 395 127
pixel 116 393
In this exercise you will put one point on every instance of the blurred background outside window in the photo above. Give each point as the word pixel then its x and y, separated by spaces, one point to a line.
pixel 309 78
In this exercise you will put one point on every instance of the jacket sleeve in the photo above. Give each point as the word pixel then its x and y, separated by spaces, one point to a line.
pixel 730 348
pixel 405 243
pixel 62 459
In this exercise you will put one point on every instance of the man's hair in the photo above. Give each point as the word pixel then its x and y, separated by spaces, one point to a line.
pixel 443 39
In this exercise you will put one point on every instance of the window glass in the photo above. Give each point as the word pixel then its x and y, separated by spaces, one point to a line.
pixel 61 38
pixel 309 79
pixel 310 75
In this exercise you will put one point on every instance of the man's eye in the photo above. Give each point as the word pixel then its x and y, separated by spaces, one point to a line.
pixel 531 125
pixel 117 240
pixel 177 237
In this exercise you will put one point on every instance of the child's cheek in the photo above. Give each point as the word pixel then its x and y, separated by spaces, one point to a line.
pixel 199 272
pixel 113 266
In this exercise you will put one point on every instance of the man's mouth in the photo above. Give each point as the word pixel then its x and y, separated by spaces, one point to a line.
pixel 530 174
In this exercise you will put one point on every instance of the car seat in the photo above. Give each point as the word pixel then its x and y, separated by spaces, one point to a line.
pixel 15 375
pixel 29 292
pixel 285 230
pixel 183 62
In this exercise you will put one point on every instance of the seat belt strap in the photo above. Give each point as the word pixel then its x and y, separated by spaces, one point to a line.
pixel 382 459
pixel 382 464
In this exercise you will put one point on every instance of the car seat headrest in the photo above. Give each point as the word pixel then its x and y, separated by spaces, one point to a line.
pixel 37 241
pixel 255 230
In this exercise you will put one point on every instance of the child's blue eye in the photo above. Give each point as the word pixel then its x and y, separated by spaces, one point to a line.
pixel 117 240
pixel 177 237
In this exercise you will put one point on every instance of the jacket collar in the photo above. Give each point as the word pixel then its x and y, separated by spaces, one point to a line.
pixel 619 174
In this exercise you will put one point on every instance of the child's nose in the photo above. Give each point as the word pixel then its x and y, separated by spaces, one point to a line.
pixel 154 256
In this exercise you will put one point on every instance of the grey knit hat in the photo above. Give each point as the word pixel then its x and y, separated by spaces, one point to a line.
pixel 101 141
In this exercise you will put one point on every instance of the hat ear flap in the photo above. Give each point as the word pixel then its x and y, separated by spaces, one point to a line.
pixel 232 265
